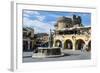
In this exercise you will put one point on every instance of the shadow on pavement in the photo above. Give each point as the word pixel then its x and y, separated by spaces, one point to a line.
pixel 55 56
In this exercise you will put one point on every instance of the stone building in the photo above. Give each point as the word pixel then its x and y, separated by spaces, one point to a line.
pixel 28 39
pixel 70 34
pixel 42 39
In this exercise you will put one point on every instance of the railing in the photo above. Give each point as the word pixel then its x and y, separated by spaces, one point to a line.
pixel 81 35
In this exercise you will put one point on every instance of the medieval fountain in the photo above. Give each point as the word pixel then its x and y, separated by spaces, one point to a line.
pixel 43 52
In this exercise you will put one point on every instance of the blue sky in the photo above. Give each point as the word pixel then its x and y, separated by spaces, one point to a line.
pixel 42 21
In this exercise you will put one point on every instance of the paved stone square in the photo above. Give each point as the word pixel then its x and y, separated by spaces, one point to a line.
pixel 68 55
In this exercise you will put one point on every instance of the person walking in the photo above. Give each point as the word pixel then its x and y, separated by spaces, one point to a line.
pixel 83 48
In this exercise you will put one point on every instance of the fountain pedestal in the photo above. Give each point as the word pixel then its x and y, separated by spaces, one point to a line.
pixel 47 52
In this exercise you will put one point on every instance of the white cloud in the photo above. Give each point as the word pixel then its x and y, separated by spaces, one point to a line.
pixel 37 23
pixel 53 22
pixel 39 26
pixel 31 12
pixel 36 14
pixel 40 18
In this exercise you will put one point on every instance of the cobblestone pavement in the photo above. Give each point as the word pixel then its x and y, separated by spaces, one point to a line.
pixel 68 55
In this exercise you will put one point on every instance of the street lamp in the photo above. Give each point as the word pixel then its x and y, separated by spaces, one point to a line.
pixel 50 39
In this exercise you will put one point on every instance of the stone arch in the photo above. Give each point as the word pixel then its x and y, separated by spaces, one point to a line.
pixel 58 43
pixel 79 44
pixel 68 44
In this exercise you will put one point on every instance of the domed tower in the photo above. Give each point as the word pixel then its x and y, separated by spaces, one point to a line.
pixel 63 22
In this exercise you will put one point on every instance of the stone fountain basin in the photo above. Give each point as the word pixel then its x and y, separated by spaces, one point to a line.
pixel 47 52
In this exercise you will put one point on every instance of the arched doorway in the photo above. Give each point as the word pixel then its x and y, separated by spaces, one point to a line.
pixel 58 43
pixel 89 46
pixel 68 44
pixel 79 44
pixel 25 45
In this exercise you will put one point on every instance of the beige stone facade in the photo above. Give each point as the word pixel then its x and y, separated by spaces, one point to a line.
pixel 71 36
pixel 74 41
